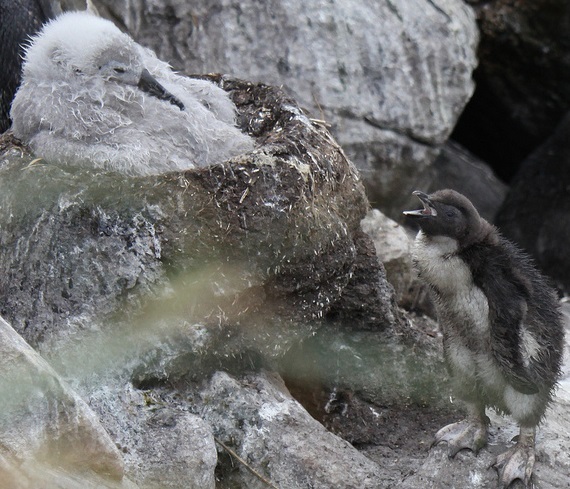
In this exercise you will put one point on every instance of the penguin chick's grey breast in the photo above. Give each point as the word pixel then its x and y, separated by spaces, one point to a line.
pixel 501 325
pixel 91 95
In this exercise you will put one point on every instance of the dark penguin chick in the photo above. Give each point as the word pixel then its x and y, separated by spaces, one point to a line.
pixel 501 325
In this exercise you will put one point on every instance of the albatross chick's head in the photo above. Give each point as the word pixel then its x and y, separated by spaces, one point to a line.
pixel 78 44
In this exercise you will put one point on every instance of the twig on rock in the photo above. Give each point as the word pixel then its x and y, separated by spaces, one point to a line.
pixel 245 464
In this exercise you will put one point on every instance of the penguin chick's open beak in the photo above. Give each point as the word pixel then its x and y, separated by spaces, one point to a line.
pixel 149 84
pixel 427 211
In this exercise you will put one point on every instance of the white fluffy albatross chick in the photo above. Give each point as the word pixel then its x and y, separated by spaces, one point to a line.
pixel 90 95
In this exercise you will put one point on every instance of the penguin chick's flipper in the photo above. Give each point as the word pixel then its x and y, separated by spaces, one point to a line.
pixel 471 433
pixel 517 462
pixel 507 292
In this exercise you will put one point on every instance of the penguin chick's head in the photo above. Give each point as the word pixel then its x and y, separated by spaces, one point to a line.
pixel 448 213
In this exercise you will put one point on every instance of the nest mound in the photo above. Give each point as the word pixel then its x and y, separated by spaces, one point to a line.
pixel 270 237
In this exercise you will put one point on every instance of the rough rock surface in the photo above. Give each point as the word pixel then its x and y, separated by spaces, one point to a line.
pixel 264 425
pixel 164 446
pixel 48 433
pixel 536 212
pixel 392 246
pixel 391 77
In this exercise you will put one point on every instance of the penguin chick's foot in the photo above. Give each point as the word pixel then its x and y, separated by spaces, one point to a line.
pixel 517 462
pixel 469 433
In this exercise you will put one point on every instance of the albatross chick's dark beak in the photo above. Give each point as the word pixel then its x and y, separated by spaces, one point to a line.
pixel 428 210
pixel 149 84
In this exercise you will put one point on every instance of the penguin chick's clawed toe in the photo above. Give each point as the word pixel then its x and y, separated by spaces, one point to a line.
pixel 500 321
pixel 517 462
pixel 468 434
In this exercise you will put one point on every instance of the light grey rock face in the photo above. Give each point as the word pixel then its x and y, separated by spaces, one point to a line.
pixel 391 77
pixel 392 246
pixel 45 425
pixel 257 418
pixel 164 446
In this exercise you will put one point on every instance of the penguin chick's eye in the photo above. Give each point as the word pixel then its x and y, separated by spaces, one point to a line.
pixel 119 70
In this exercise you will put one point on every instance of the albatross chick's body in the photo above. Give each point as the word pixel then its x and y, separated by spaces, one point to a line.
pixel 501 326
pixel 91 95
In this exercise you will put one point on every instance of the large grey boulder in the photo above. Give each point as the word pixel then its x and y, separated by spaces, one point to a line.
pixel 49 437
pixel 163 444
pixel 264 425
pixel 391 77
